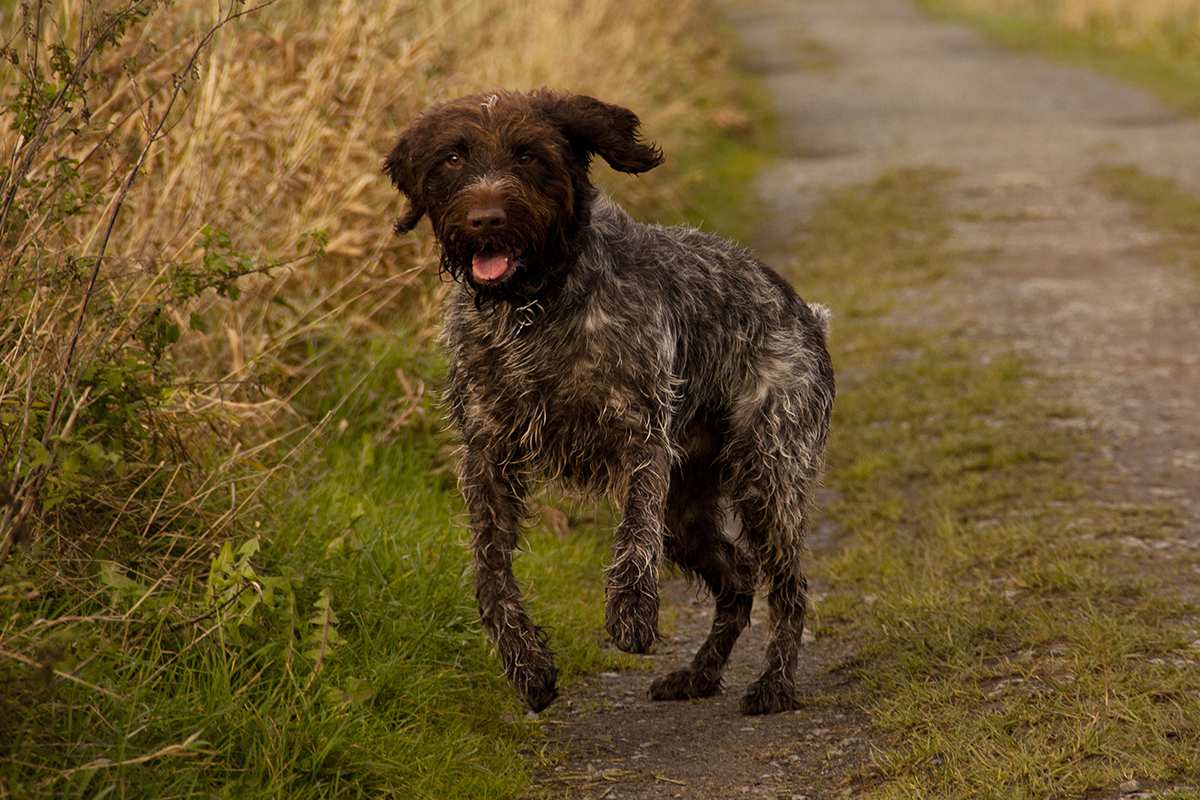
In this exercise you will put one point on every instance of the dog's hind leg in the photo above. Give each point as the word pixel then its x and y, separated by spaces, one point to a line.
pixel 495 496
pixel 774 527
pixel 695 541
pixel 775 689
pixel 775 458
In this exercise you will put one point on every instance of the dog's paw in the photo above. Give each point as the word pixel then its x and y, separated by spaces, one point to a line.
pixel 684 684
pixel 538 686
pixel 631 618
pixel 769 696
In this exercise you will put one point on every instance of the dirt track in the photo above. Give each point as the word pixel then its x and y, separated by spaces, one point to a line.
pixel 1071 279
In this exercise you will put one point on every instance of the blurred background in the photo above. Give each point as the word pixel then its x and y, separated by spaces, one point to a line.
pixel 1168 23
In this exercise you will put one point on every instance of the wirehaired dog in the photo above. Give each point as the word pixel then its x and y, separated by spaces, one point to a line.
pixel 664 366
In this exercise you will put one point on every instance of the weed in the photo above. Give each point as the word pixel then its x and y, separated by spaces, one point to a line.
pixel 1159 203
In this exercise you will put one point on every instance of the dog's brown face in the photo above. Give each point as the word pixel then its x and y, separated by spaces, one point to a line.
pixel 503 177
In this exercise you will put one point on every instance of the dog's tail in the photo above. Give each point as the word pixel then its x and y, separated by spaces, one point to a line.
pixel 823 316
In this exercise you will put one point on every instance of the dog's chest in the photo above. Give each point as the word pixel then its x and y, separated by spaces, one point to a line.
pixel 561 399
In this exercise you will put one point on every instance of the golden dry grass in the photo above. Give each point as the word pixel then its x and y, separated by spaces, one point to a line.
pixel 1129 21
pixel 285 130
pixel 281 131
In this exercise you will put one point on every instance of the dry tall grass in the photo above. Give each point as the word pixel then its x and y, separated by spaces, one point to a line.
pixel 1129 22
pixel 278 132
pixel 141 413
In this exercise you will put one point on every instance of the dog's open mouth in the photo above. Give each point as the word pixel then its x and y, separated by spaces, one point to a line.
pixel 491 266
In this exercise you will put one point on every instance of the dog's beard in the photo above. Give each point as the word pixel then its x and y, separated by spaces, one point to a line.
pixel 531 269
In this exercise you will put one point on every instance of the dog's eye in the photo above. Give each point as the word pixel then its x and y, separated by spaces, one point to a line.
pixel 454 159
pixel 525 159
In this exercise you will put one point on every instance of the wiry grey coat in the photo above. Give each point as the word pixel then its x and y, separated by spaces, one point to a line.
pixel 672 369
pixel 664 366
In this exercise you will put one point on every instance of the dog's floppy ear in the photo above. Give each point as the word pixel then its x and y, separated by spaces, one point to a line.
pixel 612 132
pixel 400 168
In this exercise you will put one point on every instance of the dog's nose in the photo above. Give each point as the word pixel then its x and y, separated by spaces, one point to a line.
pixel 486 218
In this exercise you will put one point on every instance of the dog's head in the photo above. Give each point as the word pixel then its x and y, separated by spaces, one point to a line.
pixel 503 178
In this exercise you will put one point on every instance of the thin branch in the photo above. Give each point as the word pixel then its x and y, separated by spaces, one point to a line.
pixel 60 674
pixel 33 144
pixel 104 763
pixel 15 514
pixel 119 202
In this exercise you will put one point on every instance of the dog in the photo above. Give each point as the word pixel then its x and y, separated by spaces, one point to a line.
pixel 663 366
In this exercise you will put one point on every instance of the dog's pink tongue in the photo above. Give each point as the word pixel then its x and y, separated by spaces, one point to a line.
pixel 489 267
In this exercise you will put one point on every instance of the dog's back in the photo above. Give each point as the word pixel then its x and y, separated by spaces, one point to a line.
pixel 738 329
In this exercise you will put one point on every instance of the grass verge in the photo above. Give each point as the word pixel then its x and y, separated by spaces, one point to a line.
pixel 1008 633
pixel 344 658
pixel 1171 73
pixel 1160 204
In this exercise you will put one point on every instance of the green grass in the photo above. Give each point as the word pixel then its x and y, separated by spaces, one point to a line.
pixel 1169 68
pixel 1161 205
pixel 408 701
pixel 1007 644
pixel 726 203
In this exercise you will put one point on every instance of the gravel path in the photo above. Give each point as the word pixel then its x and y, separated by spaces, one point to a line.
pixel 1069 277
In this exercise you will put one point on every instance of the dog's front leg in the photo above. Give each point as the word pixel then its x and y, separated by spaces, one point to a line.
pixel 495 496
pixel 631 613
